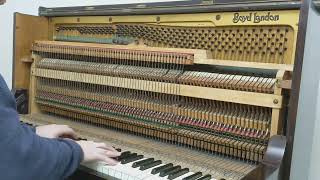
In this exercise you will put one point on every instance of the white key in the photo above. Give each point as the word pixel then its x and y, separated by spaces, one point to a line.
pixel 146 174
pixel 156 177
pixel 125 169
pixel 181 177
pixel 185 175
pixel 127 172
pixel 135 171
pixel 119 171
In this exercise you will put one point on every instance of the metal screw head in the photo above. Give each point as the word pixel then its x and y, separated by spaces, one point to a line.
pixel 218 17
pixel 275 101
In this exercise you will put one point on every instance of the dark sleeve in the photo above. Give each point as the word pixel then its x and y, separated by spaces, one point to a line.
pixel 33 129
pixel 25 155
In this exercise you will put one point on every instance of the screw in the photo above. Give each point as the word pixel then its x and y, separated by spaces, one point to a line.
pixel 275 101
pixel 218 17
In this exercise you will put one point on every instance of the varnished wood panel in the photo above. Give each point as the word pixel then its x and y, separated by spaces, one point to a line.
pixel 27 29
pixel 242 97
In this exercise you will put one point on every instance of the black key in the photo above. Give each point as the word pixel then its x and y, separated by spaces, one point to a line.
pixel 161 168
pixel 117 149
pixel 178 173
pixel 206 177
pixel 128 156
pixel 193 176
pixel 140 163
pixel 150 165
pixel 131 159
pixel 123 155
pixel 126 153
pixel 169 171
pixel 131 155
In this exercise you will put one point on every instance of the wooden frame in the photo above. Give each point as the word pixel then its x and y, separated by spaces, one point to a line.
pixel 295 90
pixel 27 29
pixel 199 56
pixel 254 65
pixel 242 97
pixel 136 52
pixel 278 114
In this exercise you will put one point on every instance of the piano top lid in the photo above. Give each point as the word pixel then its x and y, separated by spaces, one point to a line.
pixel 172 7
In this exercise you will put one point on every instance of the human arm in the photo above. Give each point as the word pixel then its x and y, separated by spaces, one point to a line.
pixel 92 151
pixel 24 154
pixel 29 156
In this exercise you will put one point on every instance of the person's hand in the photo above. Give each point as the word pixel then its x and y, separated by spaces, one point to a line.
pixel 98 152
pixel 56 131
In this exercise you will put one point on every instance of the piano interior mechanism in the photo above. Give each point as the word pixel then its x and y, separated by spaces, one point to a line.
pixel 200 92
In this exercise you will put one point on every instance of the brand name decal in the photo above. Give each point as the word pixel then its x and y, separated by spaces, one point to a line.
pixel 255 17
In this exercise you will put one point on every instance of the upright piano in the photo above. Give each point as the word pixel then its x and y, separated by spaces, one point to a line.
pixel 185 90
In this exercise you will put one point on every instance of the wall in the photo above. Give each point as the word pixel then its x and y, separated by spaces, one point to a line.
pixel 31 7
pixel 315 160
pixel 306 158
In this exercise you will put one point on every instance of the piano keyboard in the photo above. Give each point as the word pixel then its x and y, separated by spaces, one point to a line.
pixel 133 166
pixel 143 159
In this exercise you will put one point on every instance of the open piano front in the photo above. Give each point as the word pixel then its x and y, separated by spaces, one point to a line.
pixel 186 90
